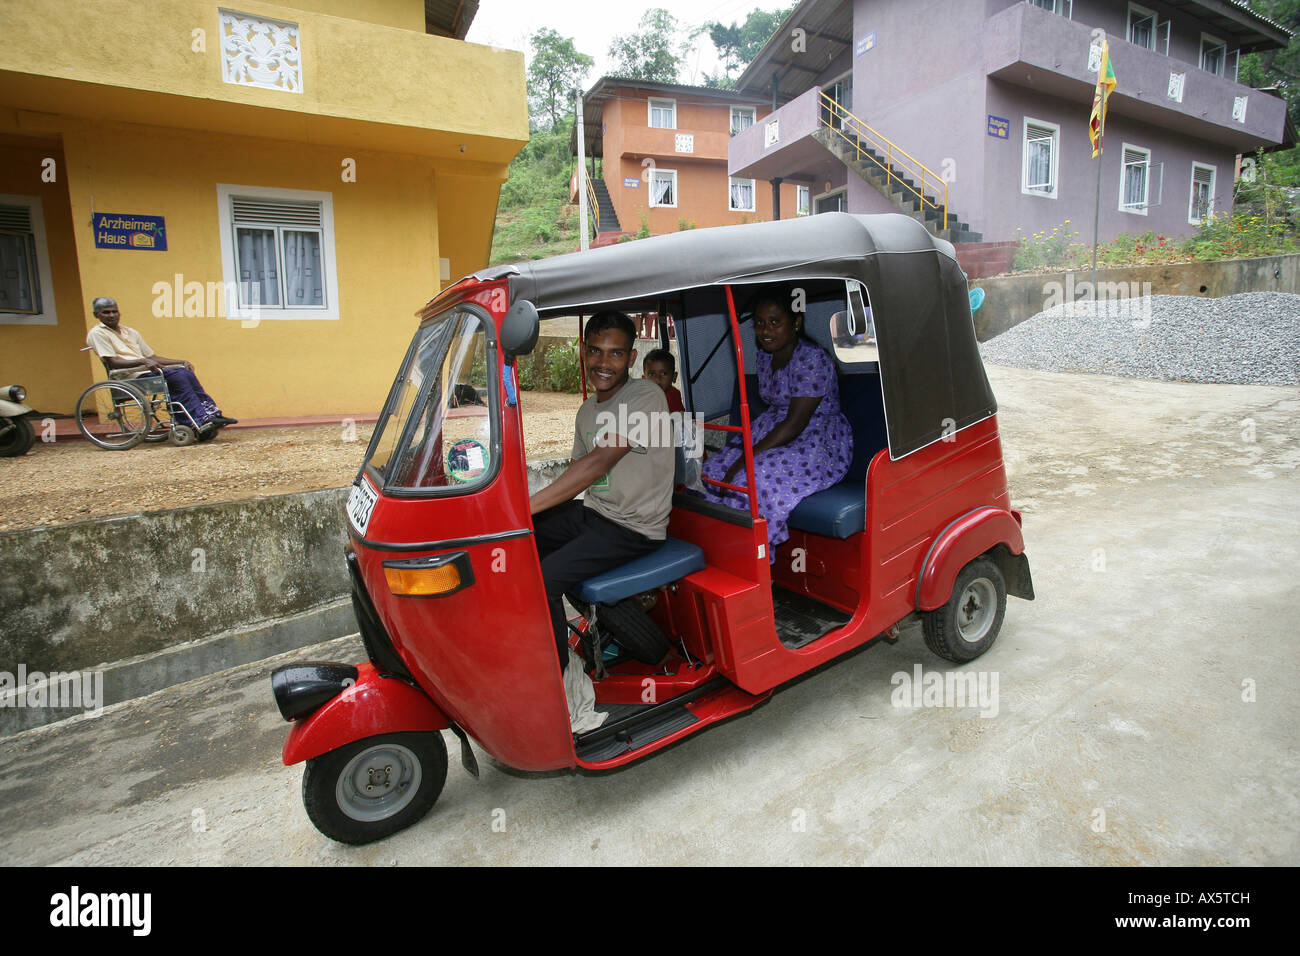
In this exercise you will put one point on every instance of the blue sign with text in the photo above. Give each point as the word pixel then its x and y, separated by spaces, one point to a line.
pixel 999 127
pixel 866 43
pixel 631 182
pixel 128 230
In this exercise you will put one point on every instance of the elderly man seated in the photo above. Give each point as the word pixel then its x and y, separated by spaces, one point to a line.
pixel 123 347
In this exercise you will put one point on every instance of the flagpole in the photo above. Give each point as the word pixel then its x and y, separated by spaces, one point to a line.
pixel 1096 222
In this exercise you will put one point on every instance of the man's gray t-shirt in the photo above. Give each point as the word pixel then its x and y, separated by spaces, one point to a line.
pixel 638 491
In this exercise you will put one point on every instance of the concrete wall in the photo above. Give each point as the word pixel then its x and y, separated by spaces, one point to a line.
pixel 1009 300
pixel 77 595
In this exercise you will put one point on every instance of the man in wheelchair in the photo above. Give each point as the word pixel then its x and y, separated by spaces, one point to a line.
pixel 122 347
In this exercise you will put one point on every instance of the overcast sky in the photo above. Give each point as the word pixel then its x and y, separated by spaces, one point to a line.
pixel 594 23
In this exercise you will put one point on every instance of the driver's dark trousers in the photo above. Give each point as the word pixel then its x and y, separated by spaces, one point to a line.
pixel 574 544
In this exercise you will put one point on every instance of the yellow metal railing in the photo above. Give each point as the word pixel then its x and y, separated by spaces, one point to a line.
pixel 862 138
pixel 593 204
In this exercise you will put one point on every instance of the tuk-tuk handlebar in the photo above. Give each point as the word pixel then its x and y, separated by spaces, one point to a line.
pixel 746 439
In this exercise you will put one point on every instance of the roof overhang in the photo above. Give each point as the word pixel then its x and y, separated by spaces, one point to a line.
pixel 828 32
pixel 449 18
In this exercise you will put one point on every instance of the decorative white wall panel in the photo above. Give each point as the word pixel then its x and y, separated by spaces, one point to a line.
pixel 256 51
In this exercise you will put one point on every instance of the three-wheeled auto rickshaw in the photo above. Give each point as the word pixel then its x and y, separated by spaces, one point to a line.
pixel 446 580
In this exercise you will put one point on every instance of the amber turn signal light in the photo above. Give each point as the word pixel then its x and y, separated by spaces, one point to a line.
pixel 432 576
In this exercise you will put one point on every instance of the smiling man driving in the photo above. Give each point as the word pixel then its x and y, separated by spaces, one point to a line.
pixel 627 477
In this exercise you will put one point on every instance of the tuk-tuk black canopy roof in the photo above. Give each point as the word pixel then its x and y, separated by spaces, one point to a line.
pixel 930 367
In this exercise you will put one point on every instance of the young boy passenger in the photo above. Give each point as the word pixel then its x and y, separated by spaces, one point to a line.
pixel 661 368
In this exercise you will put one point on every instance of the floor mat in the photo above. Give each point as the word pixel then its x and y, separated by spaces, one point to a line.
pixel 668 722
pixel 801 620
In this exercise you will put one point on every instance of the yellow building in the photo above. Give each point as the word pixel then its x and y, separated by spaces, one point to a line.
pixel 269 191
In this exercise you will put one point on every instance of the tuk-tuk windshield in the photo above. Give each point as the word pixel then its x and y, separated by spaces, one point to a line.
pixel 437 430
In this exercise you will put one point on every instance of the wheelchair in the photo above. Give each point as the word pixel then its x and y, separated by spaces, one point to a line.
pixel 122 412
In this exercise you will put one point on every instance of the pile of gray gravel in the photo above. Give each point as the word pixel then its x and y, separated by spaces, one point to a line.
pixel 1247 339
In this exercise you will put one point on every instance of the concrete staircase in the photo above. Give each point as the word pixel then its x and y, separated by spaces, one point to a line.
pixel 894 185
pixel 609 230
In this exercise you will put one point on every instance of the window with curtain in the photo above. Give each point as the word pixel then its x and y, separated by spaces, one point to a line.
pixel 1063 7
pixel 1141 26
pixel 742 195
pixel 1202 202
pixel 1133 195
pixel 801 203
pixel 663 113
pixel 1040 159
pixel 742 118
pixel 663 187
pixel 278 253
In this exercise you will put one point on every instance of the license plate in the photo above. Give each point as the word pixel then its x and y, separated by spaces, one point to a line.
pixel 361 502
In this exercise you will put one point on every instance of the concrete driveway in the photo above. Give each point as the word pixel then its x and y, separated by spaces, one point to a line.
pixel 1147 713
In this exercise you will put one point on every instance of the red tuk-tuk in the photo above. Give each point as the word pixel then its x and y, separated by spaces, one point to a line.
pixel 446 580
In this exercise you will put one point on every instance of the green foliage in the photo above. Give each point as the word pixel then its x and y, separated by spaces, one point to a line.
pixel 1243 235
pixel 739 43
pixel 1277 68
pixel 654 52
pixel 563 368
pixel 540 174
pixel 555 74
pixel 527 370
pixel 644 231
pixel 683 224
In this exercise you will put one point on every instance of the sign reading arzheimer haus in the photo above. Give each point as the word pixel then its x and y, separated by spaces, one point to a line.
pixel 127 230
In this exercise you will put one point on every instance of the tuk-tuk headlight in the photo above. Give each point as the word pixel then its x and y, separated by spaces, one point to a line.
pixel 17 393
pixel 434 576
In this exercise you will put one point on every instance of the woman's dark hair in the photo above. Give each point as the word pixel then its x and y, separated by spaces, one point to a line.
pixel 608 319
pixel 662 355
pixel 780 299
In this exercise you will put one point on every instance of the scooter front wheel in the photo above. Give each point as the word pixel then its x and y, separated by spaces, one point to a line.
pixel 376 786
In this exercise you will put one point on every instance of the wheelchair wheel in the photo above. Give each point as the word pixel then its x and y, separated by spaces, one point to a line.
pixel 182 435
pixel 114 415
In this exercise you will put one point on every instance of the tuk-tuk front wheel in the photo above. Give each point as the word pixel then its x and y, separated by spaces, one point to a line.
pixel 968 624
pixel 374 787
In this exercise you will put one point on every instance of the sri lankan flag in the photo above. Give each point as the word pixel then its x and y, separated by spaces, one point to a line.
pixel 1105 84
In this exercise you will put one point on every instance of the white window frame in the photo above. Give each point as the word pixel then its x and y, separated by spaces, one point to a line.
pixel 1143 209
pixel 1128 25
pixel 1191 199
pixel 753 193
pixel 812 209
pixel 657 171
pixel 1024 158
pixel 655 102
pixel 803 199
pixel 44 277
pixel 229 260
pixel 1223 61
pixel 1064 8
pixel 753 117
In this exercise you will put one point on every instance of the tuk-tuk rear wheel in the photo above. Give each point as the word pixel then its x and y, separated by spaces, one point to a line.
pixel 968 624
pixel 374 787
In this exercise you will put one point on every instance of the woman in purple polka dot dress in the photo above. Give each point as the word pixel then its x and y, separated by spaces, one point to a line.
pixel 802 443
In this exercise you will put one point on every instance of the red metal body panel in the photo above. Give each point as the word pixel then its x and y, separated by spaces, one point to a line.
pixel 373 705
pixel 485 654
pixel 962 541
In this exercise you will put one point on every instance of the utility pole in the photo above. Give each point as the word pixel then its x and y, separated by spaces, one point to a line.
pixel 582 176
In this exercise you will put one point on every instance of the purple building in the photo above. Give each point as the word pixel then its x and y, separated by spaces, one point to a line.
pixel 972 115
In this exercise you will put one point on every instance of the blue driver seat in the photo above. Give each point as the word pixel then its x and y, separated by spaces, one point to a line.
pixel 674 560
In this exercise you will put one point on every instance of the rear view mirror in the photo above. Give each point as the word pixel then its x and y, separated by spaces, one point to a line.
pixel 519 329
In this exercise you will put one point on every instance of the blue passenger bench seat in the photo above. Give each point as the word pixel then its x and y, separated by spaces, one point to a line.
pixel 841 510
pixel 673 561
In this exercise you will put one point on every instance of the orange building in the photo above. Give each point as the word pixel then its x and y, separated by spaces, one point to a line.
pixel 657 155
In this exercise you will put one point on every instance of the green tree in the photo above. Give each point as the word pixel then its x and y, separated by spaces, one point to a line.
pixel 654 52
pixel 1280 69
pixel 556 72
pixel 739 43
